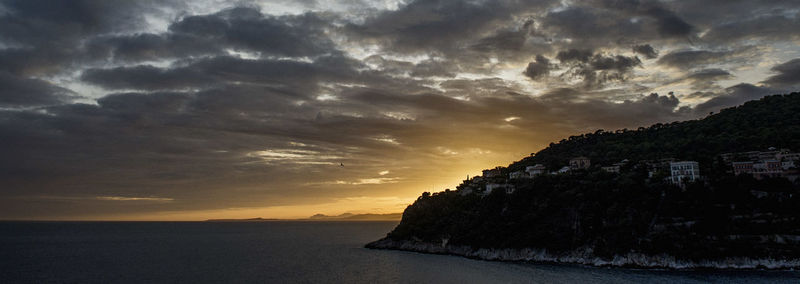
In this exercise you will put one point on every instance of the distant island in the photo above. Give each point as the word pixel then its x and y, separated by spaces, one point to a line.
pixel 242 220
pixel 358 217
pixel 322 217
pixel 719 192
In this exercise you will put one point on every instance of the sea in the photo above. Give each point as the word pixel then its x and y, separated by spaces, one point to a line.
pixel 280 252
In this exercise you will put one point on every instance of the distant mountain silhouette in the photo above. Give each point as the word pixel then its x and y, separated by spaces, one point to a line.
pixel 241 220
pixel 358 217
pixel 323 217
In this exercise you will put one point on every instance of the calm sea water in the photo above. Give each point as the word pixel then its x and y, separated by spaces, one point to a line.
pixel 277 252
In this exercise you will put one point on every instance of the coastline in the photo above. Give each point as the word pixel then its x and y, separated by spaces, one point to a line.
pixel 586 257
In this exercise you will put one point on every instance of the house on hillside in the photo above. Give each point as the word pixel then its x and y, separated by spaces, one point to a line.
pixel 656 166
pixel 742 167
pixel 684 171
pixel 509 188
pixel 517 175
pixel 534 170
pixel 763 164
pixel 767 168
pixel 466 190
pixel 579 163
pixel 771 154
pixel 491 173
pixel 615 168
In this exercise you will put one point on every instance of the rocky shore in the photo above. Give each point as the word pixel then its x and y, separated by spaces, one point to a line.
pixel 584 257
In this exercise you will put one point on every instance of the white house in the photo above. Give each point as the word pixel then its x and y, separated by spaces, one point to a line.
pixel 580 163
pixel 536 169
pixel 517 175
pixel 492 186
pixel 684 171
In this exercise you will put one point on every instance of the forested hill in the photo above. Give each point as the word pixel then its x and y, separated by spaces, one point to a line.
pixel 773 121
pixel 628 217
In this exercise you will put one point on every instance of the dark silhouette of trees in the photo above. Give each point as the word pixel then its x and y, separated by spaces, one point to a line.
pixel 616 213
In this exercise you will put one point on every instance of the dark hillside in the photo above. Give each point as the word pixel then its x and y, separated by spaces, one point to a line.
pixel 608 214
pixel 773 121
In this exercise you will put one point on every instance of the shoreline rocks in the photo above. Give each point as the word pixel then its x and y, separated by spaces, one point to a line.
pixel 586 257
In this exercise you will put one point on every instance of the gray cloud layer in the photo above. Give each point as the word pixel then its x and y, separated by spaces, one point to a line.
pixel 237 108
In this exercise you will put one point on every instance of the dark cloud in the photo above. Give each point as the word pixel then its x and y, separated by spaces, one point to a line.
pixel 645 50
pixel 152 47
pixel 296 77
pixel 430 68
pixel 692 58
pixel 706 78
pixel 761 27
pixel 618 63
pixel 709 74
pixel 616 23
pixel 431 24
pixel 40 23
pixel 726 12
pixel 146 77
pixel 20 92
pixel 239 29
pixel 237 108
pixel 585 106
pixel 470 32
pixel 596 69
pixel 669 24
pixel 666 21
pixel 733 96
pixel 538 68
pixel 86 32
pixel 423 69
pixel 248 29
pixel 701 95
pixel 574 55
pixel 512 42
pixel 596 27
pixel 788 74
pixel 504 40
pixel 48 36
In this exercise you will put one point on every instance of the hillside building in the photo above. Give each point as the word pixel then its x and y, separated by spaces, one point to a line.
pixel 615 168
pixel 768 168
pixel 764 164
pixel 534 170
pixel 517 175
pixel 509 188
pixel 655 166
pixel 684 171
pixel 742 168
pixel 579 163
pixel 491 173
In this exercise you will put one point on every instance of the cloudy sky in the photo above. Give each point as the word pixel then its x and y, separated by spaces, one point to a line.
pixel 173 110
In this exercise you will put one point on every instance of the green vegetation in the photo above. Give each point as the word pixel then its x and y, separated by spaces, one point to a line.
pixel 617 213
pixel 773 121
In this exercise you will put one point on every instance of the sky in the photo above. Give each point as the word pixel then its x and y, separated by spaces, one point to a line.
pixel 193 110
